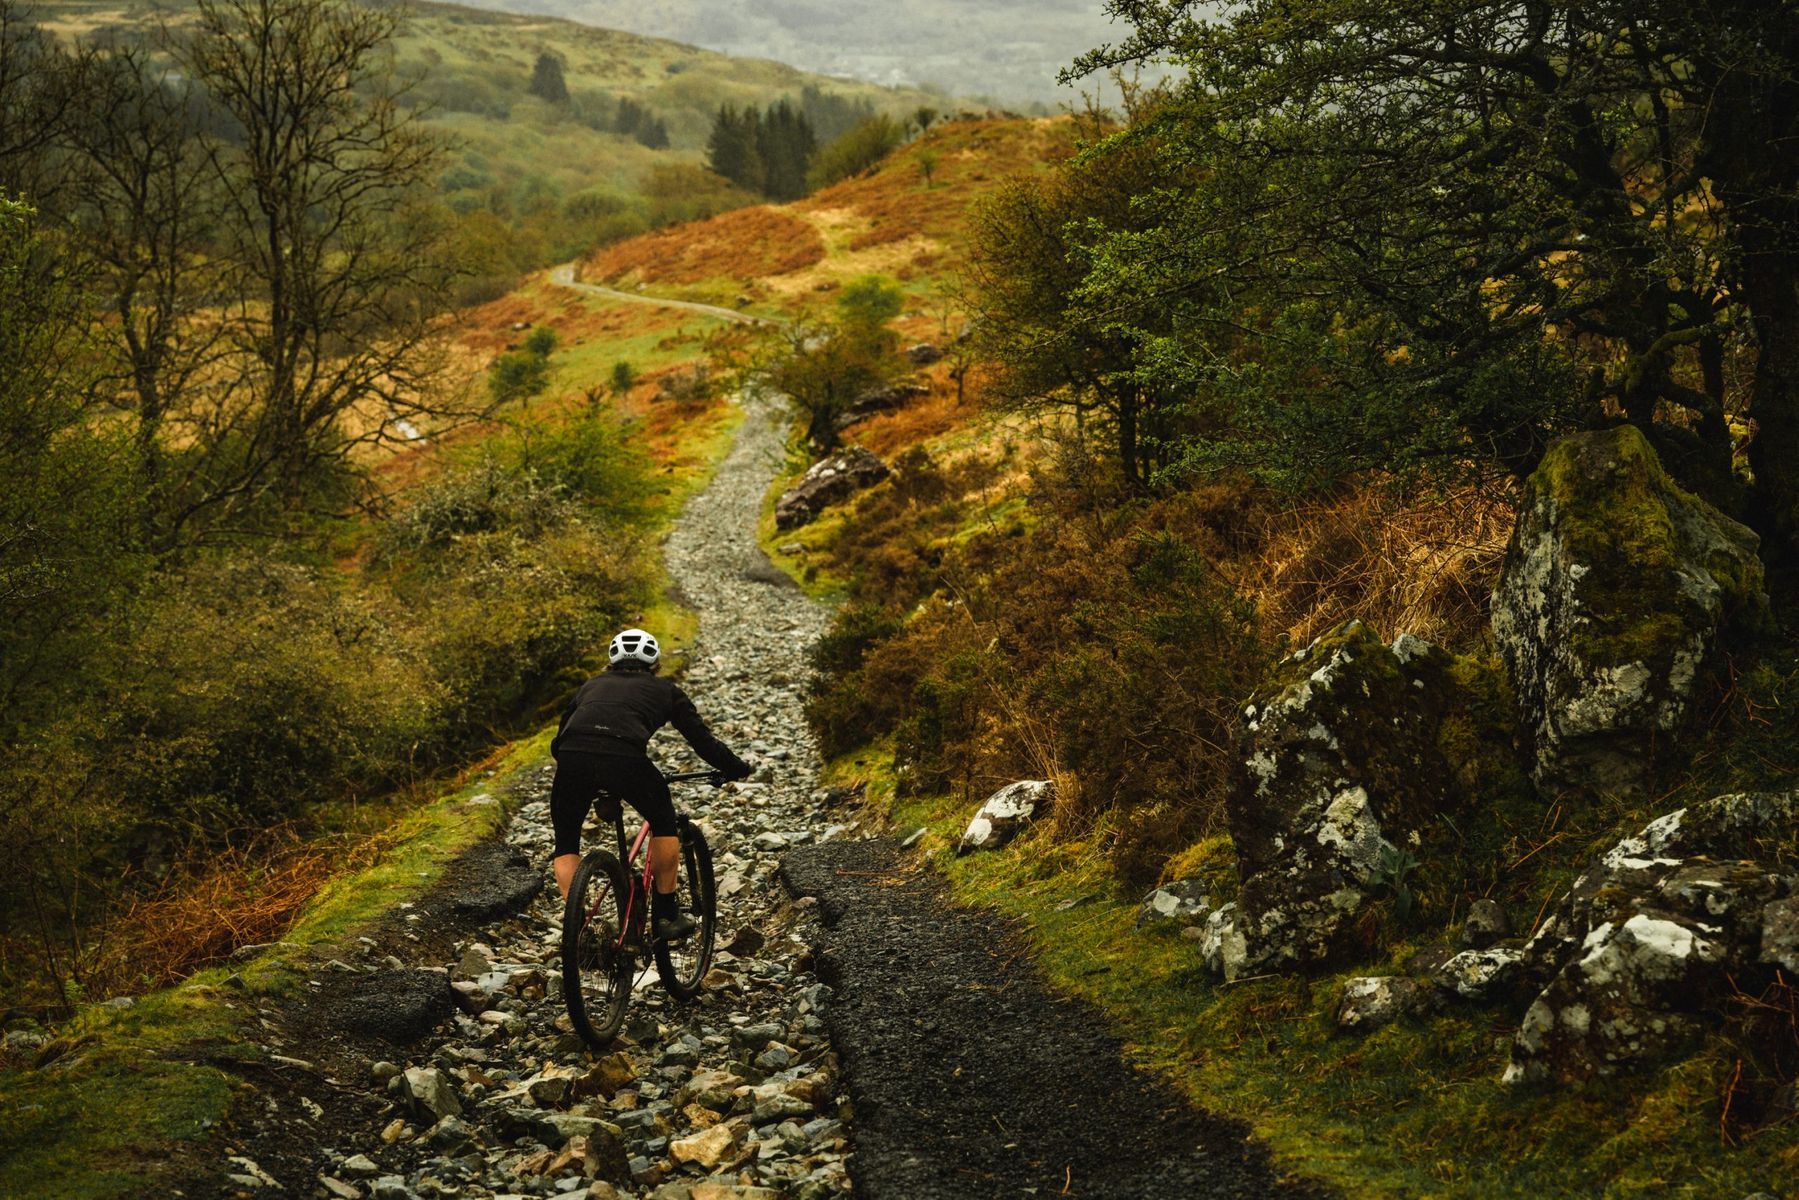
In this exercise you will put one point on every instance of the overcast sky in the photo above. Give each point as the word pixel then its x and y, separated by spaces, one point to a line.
pixel 1009 50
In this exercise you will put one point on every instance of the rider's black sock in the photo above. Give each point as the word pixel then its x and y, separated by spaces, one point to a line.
pixel 664 905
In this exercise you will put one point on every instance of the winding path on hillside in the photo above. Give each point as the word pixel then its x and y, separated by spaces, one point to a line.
pixel 902 1046
pixel 564 276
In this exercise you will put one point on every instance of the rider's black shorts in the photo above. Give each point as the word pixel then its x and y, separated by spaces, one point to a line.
pixel 581 776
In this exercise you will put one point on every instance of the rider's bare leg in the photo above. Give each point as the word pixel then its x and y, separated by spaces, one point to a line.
pixel 565 865
pixel 665 862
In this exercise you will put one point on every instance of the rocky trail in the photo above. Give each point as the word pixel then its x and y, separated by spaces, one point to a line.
pixel 435 1058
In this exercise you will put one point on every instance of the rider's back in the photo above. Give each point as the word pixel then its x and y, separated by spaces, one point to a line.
pixel 617 712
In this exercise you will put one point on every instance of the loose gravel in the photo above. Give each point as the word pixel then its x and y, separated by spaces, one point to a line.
pixel 971 1078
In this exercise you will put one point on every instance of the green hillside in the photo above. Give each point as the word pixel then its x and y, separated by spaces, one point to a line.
pixel 537 181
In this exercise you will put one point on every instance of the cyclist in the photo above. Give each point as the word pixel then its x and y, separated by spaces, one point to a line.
pixel 601 745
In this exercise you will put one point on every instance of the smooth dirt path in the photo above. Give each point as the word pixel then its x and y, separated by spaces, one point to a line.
pixel 564 276
pixel 970 1078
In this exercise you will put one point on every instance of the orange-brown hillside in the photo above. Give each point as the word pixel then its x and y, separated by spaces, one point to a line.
pixel 747 243
pixel 897 218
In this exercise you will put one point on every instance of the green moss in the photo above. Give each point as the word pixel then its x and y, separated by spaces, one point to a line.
pixel 1615 505
pixel 1212 859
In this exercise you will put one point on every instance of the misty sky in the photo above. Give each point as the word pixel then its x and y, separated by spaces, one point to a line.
pixel 1009 50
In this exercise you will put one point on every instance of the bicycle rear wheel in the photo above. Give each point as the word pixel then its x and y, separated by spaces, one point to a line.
pixel 596 971
pixel 683 965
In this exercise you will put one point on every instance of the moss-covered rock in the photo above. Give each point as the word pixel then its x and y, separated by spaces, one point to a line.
pixel 1615 590
pixel 1340 772
pixel 1640 956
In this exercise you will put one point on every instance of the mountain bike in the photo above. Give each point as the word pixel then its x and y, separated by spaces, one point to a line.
pixel 605 923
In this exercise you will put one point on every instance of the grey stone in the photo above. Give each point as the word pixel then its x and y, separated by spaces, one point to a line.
pixel 1183 902
pixel 1370 1002
pixel 1780 935
pixel 1485 924
pixel 1635 960
pixel 431 1091
pixel 1004 814
pixel 1475 974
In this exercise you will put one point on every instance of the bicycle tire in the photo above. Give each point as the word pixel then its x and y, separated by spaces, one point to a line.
pixel 597 990
pixel 683 965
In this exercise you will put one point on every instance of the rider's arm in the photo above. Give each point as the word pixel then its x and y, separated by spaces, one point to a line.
pixel 718 756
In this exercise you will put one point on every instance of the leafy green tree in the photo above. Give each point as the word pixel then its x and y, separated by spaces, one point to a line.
pixel 69 525
pixel 1429 235
pixel 824 366
pixel 525 372
pixel 866 144
pixel 1055 345
pixel 624 377
pixel 547 81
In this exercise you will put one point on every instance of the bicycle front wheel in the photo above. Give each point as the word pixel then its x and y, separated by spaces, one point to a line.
pixel 683 965
pixel 596 970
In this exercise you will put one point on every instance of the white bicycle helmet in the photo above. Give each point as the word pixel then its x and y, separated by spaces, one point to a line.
pixel 633 645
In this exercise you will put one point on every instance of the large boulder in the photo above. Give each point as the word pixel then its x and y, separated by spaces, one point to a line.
pixel 1615 589
pixel 828 481
pixel 1339 769
pixel 1638 955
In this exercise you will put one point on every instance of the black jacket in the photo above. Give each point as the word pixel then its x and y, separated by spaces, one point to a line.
pixel 616 713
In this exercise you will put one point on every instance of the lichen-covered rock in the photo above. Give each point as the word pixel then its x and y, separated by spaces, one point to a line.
pixel 1635 959
pixel 1615 588
pixel 1185 902
pixel 1373 1001
pixel 1780 935
pixel 1477 974
pixel 1005 813
pixel 827 481
pixel 1339 769
pixel 1485 924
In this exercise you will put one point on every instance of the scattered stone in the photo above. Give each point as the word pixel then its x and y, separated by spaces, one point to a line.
pixel 923 354
pixel 1005 813
pixel 706 1148
pixel 338 1189
pixel 1371 1002
pixel 1615 590
pixel 1476 974
pixel 607 1076
pixel 430 1091
pixel 248 1174
pixel 360 1164
pixel 395 1006
pixel 1339 768
pixel 746 942
pixel 1184 901
pixel 1780 935
pixel 1485 924
pixel 878 400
